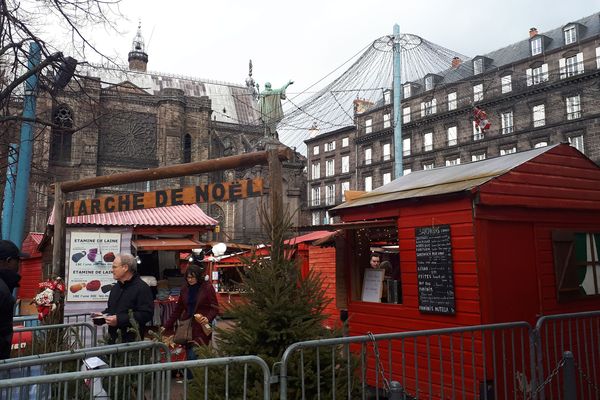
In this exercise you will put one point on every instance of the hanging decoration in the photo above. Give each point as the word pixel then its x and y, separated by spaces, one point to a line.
pixel 51 294
pixel 481 119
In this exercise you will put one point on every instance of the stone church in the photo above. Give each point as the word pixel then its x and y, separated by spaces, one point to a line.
pixel 114 120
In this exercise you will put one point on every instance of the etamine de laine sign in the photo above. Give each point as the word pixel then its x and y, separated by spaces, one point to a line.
pixel 225 191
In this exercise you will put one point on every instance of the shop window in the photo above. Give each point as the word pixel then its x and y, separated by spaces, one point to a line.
pixel 376 249
pixel 576 264
pixel 230 278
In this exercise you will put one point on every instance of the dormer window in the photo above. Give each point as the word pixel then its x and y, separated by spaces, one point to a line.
pixel 536 46
pixel 570 32
pixel 406 90
pixel 429 83
pixel 477 66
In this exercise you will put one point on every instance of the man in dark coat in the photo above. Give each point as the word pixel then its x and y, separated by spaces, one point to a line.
pixel 129 293
pixel 10 257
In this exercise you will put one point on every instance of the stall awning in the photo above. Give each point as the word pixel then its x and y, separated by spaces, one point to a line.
pixel 166 244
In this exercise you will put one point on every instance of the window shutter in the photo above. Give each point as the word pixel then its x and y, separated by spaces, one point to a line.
pixel 562 68
pixel 565 264
pixel 544 72
pixel 580 63
pixel 433 106
pixel 422 109
pixel 529 76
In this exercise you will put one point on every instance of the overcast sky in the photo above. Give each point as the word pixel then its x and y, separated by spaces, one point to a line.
pixel 306 40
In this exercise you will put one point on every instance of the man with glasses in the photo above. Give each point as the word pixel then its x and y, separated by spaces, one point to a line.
pixel 10 257
pixel 129 293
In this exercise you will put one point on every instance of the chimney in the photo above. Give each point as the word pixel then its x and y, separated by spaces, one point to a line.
pixel 456 61
pixel 532 32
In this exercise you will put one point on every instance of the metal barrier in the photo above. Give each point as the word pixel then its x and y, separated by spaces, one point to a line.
pixel 578 333
pixel 50 338
pixel 150 382
pixel 33 320
pixel 468 362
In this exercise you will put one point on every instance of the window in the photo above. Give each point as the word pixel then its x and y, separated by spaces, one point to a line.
pixel 187 148
pixel 345 142
pixel 329 195
pixel 452 101
pixel 316 170
pixel 536 46
pixel 387 178
pixel 60 142
pixel 386 120
pixel 387 155
pixel 428 82
pixel 478 156
pixel 428 141
pixel 506 119
pixel 477 132
pixel 406 147
pixel 406 90
pixel 452 161
pixel 369 125
pixel 478 66
pixel 537 75
pixel 316 150
pixel 539 115
pixel 478 92
pixel 329 167
pixel 406 115
pixel 570 34
pixel 345 164
pixel 387 96
pixel 326 218
pixel 573 107
pixel 428 165
pixel 597 57
pixel 345 187
pixel 540 144
pixel 406 171
pixel 315 196
pixel 316 218
pixel 368 156
pixel 330 146
pixel 452 136
pixel 506 83
pixel 508 150
pixel 428 107
pixel 368 183
pixel 577 142
pixel 576 264
pixel 571 66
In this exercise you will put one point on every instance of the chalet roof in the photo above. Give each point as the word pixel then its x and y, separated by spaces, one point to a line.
pixel 183 215
pixel 445 180
pixel 231 102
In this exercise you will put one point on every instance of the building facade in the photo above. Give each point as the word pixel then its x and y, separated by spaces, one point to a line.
pixel 542 90
pixel 114 120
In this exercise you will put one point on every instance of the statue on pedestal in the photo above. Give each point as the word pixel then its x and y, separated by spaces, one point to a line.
pixel 269 106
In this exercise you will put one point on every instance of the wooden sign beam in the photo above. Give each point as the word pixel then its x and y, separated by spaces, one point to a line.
pixel 175 171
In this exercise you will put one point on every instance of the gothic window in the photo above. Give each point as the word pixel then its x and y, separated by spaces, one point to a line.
pixel 61 136
pixel 187 148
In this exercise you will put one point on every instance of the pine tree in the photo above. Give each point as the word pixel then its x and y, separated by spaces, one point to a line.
pixel 278 308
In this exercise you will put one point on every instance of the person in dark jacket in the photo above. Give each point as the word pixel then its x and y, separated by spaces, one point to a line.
pixel 197 300
pixel 10 257
pixel 129 293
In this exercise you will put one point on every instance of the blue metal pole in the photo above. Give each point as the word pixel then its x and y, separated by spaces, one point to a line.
pixel 9 191
pixel 397 89
pixel 25 149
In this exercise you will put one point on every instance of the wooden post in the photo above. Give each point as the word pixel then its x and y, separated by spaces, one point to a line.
pixel 59 231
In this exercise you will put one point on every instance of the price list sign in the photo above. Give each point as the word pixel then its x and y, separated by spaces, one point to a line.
pixel 435 275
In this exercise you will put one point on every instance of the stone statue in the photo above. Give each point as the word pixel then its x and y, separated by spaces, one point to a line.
pixel 269 106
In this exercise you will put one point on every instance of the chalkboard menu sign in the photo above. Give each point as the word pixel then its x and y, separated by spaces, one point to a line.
pixel 434 270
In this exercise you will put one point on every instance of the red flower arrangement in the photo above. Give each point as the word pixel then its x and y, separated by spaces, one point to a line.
pixel 51 294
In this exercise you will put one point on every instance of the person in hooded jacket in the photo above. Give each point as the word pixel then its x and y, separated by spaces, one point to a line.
pixel 197 300
pixel 10 257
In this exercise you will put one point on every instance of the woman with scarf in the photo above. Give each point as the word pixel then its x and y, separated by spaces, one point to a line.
pixel 197 300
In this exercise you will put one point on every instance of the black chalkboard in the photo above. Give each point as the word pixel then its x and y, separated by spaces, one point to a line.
pixel 434 270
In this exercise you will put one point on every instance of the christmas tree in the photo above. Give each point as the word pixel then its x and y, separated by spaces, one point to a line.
pixel 278 308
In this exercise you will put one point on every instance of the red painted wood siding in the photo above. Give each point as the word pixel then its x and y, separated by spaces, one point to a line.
pixel 322 261
pixel 31 267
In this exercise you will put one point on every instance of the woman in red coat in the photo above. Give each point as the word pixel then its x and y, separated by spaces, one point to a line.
pixel 197 300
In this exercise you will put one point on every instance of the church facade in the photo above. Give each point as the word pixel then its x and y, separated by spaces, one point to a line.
pixel 114 120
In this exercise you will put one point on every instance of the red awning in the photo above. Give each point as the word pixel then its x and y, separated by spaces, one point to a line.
pixel 309 237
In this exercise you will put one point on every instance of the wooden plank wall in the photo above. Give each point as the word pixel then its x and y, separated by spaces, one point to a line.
pixel 322 261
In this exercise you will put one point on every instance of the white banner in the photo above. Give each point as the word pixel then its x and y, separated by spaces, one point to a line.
pixel 90 265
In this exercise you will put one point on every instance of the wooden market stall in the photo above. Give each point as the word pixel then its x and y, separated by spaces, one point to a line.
pixel 506 239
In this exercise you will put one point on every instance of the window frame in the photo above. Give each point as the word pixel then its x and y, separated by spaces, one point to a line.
pixel 536 46
pixel 539 121
pixel 428 141
pixel 570 34
pixel 452 102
